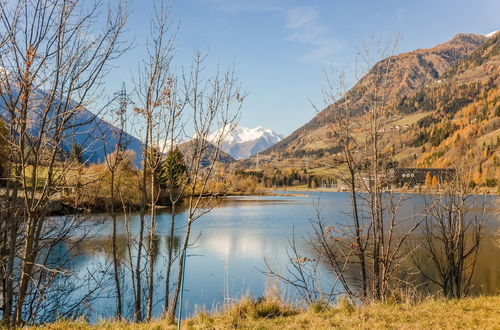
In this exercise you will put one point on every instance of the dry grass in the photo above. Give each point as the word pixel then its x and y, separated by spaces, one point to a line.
pixel 471 313
pixel 409 119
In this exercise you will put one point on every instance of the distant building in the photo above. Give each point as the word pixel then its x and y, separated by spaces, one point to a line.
pixel 416 176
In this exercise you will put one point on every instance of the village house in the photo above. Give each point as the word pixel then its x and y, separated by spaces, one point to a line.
pixel 417 176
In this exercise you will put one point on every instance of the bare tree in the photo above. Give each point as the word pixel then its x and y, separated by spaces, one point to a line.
pixel 341 126
pixel 303 272
pixel 214 104
pixel 153 93
pixel 372 238
pixel 378 233
pixel 174 175
pixel 451 237
pixel 115 161
pixel 49 45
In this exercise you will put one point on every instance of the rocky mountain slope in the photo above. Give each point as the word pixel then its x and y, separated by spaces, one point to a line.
pixel 442 110
pixel 403 73
pixel 187 149
pixel 96 136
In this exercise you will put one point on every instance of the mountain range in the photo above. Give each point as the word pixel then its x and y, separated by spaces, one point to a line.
pixel 97 137
pixel 442 102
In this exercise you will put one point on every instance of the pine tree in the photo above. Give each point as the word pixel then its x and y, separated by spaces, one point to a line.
pixel 173 169
pixel 77 153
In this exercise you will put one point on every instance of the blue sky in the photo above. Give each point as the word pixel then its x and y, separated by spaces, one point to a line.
pixel 279 47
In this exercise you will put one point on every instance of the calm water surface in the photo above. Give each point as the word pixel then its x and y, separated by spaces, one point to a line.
pixel 227 259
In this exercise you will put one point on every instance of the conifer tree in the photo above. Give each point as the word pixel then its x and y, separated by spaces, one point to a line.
pixel 173 169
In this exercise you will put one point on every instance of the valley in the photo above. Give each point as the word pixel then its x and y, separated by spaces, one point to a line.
pixel 176 202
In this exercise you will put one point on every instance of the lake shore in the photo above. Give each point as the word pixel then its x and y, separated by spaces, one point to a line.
pixel 63 206
pixel 467 313
pixel 412 190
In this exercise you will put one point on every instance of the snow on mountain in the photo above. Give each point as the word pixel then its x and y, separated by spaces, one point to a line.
pixel 244 142
pixel 491 34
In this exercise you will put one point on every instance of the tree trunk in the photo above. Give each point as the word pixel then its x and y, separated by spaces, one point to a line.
pixel 152 252
pixel 359 241
pixel 180 272
pixel 169 261
pixel 115 253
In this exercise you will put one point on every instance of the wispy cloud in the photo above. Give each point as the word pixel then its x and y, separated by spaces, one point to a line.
pixel 306 28
pixel 303 24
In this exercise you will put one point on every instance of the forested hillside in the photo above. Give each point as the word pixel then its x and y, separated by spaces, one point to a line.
pixel 442 110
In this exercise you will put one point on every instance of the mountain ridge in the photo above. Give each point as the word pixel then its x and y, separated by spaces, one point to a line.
pixel 408 71
pixel 96 136
pixel 450 121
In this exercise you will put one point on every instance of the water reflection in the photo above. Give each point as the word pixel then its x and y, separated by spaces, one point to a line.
pixel 226 259
pixel 486 276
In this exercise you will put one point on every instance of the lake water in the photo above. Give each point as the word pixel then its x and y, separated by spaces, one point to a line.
pixel 227 259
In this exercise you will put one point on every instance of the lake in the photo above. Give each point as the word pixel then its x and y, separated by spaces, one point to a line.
pixel 233 240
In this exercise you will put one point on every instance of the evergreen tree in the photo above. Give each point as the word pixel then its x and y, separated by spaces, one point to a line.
pixel 77 153
pixel 153 163
pixel 173 169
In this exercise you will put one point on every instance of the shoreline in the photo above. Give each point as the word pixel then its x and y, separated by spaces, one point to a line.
pixel 414 191
pixel 60 207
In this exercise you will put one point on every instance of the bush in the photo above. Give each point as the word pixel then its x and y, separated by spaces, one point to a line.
pixel 491 183
pixel 259 308
pixel 318 307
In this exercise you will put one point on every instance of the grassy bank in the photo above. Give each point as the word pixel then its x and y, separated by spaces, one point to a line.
pixel 470 313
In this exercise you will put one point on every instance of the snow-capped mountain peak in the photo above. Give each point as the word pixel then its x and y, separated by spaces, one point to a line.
pixel 244 142
pixel 491 34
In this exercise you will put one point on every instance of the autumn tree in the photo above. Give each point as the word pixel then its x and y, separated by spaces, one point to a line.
pixel 435 181
pixel 428 179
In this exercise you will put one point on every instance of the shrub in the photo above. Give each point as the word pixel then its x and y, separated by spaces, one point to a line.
pixel 491 183
pixel 345 306
pixel 318 307
pixel 259 308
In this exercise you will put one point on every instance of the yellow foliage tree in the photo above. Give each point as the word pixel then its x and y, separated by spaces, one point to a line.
pixel 428 179
pixel 434 180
